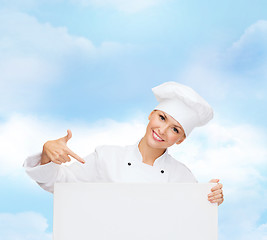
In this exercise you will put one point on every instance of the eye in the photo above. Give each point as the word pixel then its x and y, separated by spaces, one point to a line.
pixel 161 117
pixel 175 130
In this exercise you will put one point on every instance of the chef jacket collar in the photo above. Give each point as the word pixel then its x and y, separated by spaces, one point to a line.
pixel 158 162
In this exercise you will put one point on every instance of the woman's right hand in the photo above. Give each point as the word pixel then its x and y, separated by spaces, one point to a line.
pixel 57 151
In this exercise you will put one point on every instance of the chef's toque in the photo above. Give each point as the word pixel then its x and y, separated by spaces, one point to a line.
pixel 183 104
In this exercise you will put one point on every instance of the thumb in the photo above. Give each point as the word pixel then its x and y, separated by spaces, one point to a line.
pixel 68 136
pixel 214 180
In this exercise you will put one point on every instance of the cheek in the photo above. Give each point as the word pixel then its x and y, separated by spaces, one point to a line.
pixel 153 123
pixel 173 137
pixel 149 127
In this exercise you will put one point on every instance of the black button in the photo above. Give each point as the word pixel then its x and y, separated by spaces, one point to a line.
pixel 129 164
pixel 162 171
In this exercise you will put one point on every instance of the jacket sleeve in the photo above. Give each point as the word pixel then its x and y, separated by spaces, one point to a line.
pixel 46 175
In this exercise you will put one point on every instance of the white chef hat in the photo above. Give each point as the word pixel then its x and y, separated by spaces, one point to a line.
pixel 183 104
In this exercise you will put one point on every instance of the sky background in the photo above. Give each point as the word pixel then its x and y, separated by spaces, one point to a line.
pixel 89 66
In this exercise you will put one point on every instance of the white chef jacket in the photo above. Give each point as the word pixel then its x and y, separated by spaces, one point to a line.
pixel 109 164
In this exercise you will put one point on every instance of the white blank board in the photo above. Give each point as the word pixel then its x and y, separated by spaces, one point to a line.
pixel 134 211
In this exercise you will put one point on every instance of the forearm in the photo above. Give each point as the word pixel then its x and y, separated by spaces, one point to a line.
pixel 47 174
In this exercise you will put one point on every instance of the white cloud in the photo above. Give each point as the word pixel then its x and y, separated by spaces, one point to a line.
pixel 121 5
pixel 232 153
pixel 235 154
pixel 238 71
pixel 35 55
pixel 259 233
pixel 23 35
pixel 215 150
pixel 249 52
pixel 202 74
pixel 255 34
pixel 25 135
pixel 23 226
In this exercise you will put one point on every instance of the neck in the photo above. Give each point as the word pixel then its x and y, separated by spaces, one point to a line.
pixel 148 153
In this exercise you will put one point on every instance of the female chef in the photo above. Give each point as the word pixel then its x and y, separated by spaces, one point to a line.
pixel 180 110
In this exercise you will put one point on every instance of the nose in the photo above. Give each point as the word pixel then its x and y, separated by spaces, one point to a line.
pixel 163 129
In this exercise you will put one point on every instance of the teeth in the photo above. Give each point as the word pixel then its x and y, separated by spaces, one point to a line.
pixel 155 135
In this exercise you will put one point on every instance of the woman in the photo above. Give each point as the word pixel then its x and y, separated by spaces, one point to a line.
pixel 180 110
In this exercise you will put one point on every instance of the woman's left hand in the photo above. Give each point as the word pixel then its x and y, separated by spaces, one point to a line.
pixel 216 195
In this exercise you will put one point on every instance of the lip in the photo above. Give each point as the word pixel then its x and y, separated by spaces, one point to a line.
pixel 153 132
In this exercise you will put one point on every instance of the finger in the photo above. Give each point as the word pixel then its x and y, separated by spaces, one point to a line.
pixel 215 193
pixel 66 158
pixel 51 156
pixel 218 201
pixel 217 196
pixel 74 155
pixel 214 180
pixel 67 137
pixel 61 159
pixel 56 161
pixel 218 186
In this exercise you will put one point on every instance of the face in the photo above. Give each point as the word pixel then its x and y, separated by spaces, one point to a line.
pixel 163 131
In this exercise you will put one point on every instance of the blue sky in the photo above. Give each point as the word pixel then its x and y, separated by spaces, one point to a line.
pixel 89 65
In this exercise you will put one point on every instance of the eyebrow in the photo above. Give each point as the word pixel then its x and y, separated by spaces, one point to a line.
pixel 173 124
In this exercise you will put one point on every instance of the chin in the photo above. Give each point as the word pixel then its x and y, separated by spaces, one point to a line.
pixel 154 144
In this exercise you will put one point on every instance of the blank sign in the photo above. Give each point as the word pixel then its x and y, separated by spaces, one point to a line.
pixel 134 211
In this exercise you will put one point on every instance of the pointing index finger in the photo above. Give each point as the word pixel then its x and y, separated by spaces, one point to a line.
pixel 74 155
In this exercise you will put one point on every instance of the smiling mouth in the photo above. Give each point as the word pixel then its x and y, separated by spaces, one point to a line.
pixel 156 137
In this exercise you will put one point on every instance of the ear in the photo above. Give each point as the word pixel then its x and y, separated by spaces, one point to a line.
pixel 181 140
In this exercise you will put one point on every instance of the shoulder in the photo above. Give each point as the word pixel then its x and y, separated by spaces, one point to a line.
pixel 170 160
pixel 179 172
